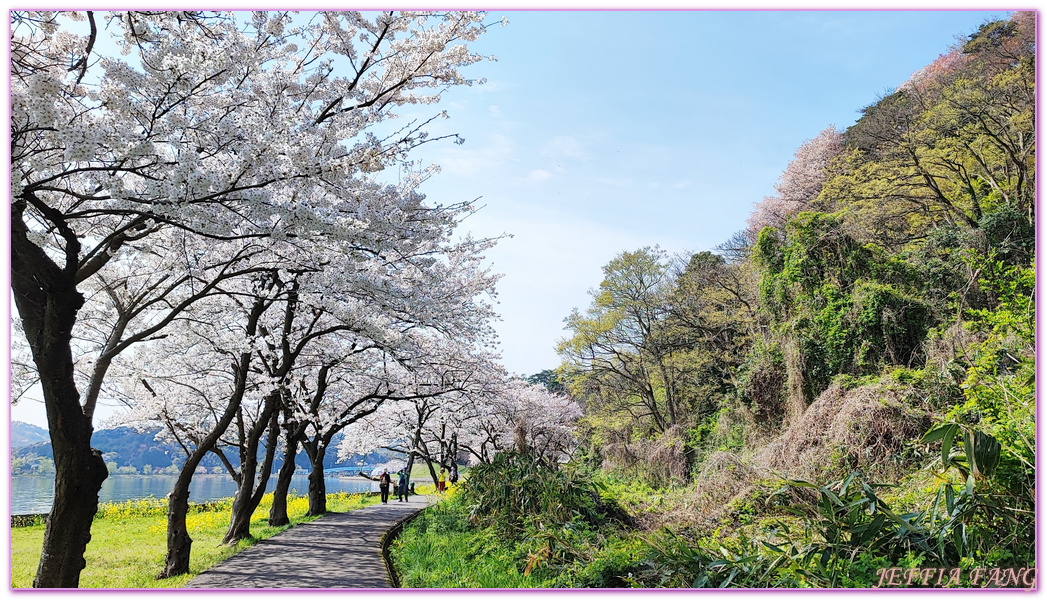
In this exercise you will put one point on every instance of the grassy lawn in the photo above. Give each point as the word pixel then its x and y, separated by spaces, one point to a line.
pixel 420 474
pixel 129 540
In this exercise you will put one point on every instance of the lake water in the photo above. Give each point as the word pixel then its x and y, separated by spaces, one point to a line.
pixel 32 494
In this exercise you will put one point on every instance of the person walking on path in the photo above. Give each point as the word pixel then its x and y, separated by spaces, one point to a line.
pixel 401 487
pixel 383 486
pixel 454 474
pixel 442 485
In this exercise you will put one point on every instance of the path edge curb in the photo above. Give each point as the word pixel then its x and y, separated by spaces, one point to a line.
pixel 387 540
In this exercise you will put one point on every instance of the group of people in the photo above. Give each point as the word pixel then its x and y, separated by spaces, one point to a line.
pixel 385 480
pixel 441 483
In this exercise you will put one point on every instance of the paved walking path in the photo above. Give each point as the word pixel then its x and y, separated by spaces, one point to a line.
pixel 338 550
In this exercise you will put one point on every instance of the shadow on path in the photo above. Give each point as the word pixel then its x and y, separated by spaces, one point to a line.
pixel 338 550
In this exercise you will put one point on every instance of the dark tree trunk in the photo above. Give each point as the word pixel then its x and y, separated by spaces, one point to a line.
pixel 248 496
pixel 410 465
pixel 79 473
pixel 179 543
pixel 240 519
pixel 248 499
pixel 278 513
pixel 432 470
pixel 48 303
pixel 317 487
pixel 418 448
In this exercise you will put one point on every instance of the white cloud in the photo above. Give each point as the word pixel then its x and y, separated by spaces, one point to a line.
pixel 495 111
pixel 683 184
pixel 539 175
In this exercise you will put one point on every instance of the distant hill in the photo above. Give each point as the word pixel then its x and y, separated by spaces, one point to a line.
pixel 24 434
pixel 128 447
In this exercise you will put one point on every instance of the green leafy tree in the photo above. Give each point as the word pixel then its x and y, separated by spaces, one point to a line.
pixel 654 354
pixel 614 350
pixel 19 465
pixel 953 145
pixel 710 326
pixel 552 379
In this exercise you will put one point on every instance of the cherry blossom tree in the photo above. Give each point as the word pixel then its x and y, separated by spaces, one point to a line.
pixel 383 330
pixel 497 416
pixel 328 319
pixel 195 389
pixel 522 416
pixel 799 184
pixel 935 74
pixel 412 429
pixel 220 125
pixel 357 392
pixel 448 378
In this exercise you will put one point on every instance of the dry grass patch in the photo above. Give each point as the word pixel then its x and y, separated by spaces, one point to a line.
pixel 843 430
pixel 723 476
pixel 865 428
pixel 660 462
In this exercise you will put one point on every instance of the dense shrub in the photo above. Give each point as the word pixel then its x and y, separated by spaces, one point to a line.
pixel 515 491
pixel 762 384
pixel 504 527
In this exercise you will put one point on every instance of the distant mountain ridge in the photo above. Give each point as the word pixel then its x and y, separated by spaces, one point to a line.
pixel 128 447
pixel 24 434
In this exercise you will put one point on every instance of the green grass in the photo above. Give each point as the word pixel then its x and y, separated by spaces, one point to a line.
pixel 438 550
pixel 129 540
pixel 420 475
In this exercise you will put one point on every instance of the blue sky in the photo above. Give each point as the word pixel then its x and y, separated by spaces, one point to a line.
pixel 604 131
pixel 600 132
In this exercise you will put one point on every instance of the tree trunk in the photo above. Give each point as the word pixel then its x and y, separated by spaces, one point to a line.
pixel 432 471
pixel 178 541
pixel 240 519
pixel 410 465
pixel 48 303
pixel 79 473
pixel 317 487
pixel 278 513
pixel 248 496
pixel 454 449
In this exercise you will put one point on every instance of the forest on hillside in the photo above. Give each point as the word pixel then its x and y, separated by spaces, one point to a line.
pixel 839 395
